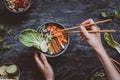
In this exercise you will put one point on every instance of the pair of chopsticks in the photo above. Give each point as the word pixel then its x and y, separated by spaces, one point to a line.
pixel 114 62
pixel 88 25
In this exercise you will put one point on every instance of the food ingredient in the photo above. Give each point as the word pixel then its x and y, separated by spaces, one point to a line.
pixel 104 14
pixel 31 37
pixel 10 31
pixel 48 38
pixel 9 71
pixel 5 47
pixel 1 29
pixel 55 31
pixel 2 46
pixel 17 5
pixel 3 71
pixel 117 14
pixel 12 69
pixel 114 15
pixel 58 39
pixel 111 42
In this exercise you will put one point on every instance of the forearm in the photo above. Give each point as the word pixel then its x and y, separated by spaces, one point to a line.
pixel 51 78
pixel 111 71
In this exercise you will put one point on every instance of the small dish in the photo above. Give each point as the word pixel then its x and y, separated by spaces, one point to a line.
pixel 98 74
pixel 56 48
pixel 9 71
pixel 17 6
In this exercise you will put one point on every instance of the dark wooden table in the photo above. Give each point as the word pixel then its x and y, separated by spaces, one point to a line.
pixel 79 59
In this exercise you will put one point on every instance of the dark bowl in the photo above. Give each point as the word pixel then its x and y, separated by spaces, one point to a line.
pixel 97 74
pixel 65 46
pixel 9 63
pixel 25 9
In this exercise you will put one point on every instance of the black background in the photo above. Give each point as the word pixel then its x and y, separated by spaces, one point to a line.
pixel 79 58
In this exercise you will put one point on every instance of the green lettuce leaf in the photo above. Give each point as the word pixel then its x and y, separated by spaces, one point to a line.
pixel 31 37
pixel 104 14
pixel 111 42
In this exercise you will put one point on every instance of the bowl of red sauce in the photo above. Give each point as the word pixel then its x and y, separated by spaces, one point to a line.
pixel 17 6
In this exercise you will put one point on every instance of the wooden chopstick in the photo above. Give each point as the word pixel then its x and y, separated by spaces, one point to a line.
pixel 116 66
pixel 103 21
pixel 113 62
pixel 92 31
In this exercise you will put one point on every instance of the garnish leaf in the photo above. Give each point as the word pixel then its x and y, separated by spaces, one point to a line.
pixel 111 42
pixel 104 14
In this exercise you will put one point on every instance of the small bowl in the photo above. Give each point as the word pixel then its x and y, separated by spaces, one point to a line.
pixel 18 73
pixel 65 45
pixel 97 74
pixel 15 10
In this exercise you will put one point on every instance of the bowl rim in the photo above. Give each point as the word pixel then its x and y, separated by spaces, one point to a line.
pixel 10 63
pixel 95 70
pixel 66 46
pixel 17 11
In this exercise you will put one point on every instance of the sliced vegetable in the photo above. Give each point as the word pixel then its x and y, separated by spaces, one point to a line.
pixel 111 42
pixel 12 69
pixel 9 71
pixel 3 70
pixel 31 37
pixel 44 46
pixel 3 67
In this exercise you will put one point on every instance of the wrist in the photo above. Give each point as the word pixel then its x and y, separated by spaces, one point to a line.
pixel 102 54
pixel 50 79
pixel 100 51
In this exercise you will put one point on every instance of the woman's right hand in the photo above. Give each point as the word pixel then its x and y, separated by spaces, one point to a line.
pixel 94 39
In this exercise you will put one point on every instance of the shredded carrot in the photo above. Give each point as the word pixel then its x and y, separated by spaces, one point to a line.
pixel 59 35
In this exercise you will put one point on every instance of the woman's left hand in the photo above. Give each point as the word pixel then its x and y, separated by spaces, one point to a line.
pixel 44 66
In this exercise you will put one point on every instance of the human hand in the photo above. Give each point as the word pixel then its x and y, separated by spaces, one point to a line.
pixel 94 39
pixel 44 66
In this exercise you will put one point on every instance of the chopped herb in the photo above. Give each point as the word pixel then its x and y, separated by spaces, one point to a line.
pixel 1 40
pixel 117 14
pixel 1 30
pixel 10 31
pixel 1 27
pixel 104 14
pixel 2 46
